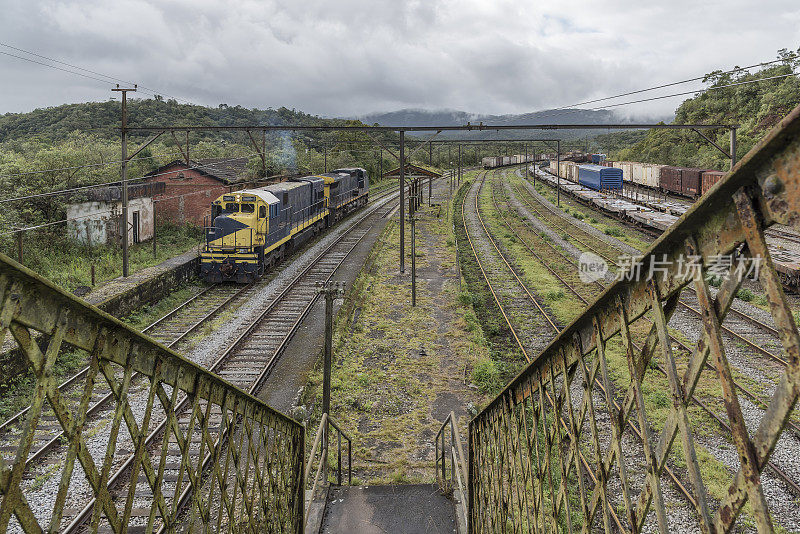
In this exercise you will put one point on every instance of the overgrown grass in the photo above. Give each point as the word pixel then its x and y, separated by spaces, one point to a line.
pixel 148 314
pixel 394 364
pixel 68 263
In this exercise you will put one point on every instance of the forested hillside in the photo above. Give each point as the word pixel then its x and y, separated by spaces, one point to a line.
pixel 55 124
pixel 71 146
pixel 755 107
pixel 78 144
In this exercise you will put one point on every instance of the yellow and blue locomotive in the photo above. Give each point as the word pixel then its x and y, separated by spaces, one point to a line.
pixel 253 229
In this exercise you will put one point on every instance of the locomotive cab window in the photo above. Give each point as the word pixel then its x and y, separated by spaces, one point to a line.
pixel 231 207
pixel 262 212
pixel 248 208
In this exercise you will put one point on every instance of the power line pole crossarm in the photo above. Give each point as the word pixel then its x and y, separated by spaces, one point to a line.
pixel 124 130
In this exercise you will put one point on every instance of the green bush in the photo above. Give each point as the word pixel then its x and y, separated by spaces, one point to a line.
pixel 554 295
pixel 593 220
pixel 465 298
pixel 745 294
pixel 578 215
pixel 614 232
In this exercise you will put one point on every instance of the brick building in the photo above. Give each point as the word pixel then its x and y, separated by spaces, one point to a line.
pixel 189 189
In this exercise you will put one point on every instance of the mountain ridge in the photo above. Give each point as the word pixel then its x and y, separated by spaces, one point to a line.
pixel 450 117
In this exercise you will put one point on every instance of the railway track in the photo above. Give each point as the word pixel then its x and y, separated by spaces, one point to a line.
pixel 525 350
pixel 780 473
pixel 736 318
pixel 752 396
pixel 256 348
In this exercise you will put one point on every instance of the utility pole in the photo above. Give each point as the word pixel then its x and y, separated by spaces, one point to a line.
pixel 155 251
pixel 325 151
pixel 459 166
pixel 19 247
pixel 450 164
pixel 430 153
pixel 124 129
pixel 525 150
pixel 380 163
pixel 402 202
pixel 733 147
pixel 330 290
pixel 411 218
pixel 558 172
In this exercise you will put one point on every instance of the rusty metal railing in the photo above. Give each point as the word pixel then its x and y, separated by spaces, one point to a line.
pixel 322 444
pixel 198 450
pixel 557 449
pixel 449 445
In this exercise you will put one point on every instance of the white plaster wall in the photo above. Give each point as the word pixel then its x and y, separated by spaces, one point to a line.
pixel 97 222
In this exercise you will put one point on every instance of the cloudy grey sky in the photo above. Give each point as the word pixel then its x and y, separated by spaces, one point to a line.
pixel 347 57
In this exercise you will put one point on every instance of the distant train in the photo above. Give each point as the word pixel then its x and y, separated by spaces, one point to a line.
pixel 684 181
pixel 493 162
pixel 253 229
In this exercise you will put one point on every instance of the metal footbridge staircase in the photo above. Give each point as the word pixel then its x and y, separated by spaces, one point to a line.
pixel 210 457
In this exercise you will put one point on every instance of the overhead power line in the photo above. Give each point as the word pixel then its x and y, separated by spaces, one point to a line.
pixel 672 95
pixel 54 67
pixel 698 78
pixel 109 79
pixel 715 87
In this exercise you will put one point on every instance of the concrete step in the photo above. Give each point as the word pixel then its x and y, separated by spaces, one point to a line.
pixel 402 509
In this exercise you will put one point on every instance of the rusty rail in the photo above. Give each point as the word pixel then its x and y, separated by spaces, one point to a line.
pixel 254 480
pixel 524 466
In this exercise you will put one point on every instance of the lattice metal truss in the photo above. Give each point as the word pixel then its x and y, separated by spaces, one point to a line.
pixel 201 451
pixel 561 450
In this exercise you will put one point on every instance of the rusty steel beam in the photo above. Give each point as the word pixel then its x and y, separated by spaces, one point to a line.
pixel 223 420
pixel 465 127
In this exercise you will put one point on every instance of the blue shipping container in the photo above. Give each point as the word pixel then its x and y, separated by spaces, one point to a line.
pixel 598 158
pixel 598 177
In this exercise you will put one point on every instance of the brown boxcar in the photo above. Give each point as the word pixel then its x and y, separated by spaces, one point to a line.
pixel 670 179
pixel 690 181
pixel 709 178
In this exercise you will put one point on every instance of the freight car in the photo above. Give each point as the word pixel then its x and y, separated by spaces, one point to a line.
pixel 600 178
pixel 684 181
pixel 657 216
pixel 493 162
pixel 254 229
pixel 708 179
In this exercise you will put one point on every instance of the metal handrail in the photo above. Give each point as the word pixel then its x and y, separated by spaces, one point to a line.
pixel 322 430
pixel 458 466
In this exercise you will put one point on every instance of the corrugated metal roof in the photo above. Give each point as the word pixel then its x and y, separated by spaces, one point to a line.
pixel 227 170
pixel 411 170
